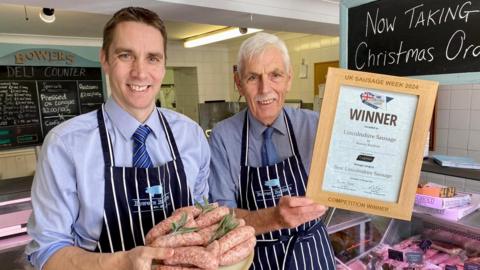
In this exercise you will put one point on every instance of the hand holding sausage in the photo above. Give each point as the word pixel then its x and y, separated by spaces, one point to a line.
pixel 216 235
pixel 140 258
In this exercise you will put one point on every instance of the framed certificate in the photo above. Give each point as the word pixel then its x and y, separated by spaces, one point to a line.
pixel 370 139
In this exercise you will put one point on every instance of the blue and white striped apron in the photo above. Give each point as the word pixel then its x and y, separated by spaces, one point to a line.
pixel 138 198
pixel 304 247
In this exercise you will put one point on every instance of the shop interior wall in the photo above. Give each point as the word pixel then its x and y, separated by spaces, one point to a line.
pixel 307 48
pixel 212 71
pixel 458 106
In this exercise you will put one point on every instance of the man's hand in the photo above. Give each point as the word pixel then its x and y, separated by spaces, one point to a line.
pixel 141 258
pixel 294 211
pixel 290 212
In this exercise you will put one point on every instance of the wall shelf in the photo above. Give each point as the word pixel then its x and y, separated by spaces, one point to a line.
pixel 430 166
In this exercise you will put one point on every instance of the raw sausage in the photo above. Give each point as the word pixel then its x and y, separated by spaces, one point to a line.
pixel 238 252
pixel 235 237
pixel 165 226
pixel 195 211
pixel 208 232
pixel 178 240
pixel 212 217
pixel 173 267
pixel 195 256
pixel 214 249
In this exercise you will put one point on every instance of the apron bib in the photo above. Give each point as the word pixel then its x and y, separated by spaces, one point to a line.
pixel 304 247
pixel 136 199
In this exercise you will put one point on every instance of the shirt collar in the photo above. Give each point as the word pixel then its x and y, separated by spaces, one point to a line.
pixel 126 123
pixel 258 128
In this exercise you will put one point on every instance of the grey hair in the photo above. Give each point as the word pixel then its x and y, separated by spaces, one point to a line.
pixel 256 45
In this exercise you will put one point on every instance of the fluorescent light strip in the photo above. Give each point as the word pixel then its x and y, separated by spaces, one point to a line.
pixel 216 36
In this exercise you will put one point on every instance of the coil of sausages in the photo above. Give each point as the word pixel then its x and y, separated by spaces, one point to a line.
pixel 205 236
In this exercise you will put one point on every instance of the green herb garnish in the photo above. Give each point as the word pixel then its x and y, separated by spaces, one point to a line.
pixel 206 206
pixel 179 227
pixel 227 224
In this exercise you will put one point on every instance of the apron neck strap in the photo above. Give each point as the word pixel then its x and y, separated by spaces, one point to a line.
pixel 172 145
pixel 107 148
pixel 291 134
pixel 245 131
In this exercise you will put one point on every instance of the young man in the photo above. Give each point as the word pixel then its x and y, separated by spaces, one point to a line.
pixel 105 178
pixel 260 157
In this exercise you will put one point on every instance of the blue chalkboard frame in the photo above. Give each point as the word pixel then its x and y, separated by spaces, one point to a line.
pixel 445 79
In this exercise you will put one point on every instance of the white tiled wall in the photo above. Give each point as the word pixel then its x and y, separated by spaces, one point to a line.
pixel 457 130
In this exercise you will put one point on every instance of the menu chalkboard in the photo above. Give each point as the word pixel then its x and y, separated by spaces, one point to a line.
pixel 411 37
pixel 34 99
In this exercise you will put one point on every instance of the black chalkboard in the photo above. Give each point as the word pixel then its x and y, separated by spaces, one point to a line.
pixel 34 99
pixel 412 37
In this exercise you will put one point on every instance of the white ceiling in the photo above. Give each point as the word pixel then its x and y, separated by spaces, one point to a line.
pixel 85 18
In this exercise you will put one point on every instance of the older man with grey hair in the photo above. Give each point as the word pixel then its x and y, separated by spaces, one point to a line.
pixel 260 159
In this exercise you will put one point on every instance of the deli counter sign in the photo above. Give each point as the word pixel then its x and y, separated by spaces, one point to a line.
pixel 43 55
pixel 41 88
pixel 369 145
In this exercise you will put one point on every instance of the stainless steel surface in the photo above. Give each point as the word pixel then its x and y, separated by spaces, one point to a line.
pixel 15 188
pixel 468 225
pixel 211 113
pixel 14 259
pixel 15 208
pixel 430 166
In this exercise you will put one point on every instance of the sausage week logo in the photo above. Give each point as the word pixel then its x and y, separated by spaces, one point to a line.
pixel 373 100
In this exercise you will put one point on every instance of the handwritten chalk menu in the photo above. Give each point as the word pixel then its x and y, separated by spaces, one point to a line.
pixel 411 37
pixel 35 99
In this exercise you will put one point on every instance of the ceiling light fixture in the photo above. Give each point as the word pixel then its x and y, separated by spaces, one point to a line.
pixel 219 35
pixel 47 15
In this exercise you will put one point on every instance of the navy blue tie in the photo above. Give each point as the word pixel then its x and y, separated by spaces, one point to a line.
pixel 141 159
pixel 269 154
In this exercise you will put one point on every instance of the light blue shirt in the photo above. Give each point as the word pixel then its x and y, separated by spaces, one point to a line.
pixel 226 142
pixel 68 188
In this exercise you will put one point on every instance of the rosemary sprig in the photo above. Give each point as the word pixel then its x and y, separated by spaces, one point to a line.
pixel 179 227
pixel 227 224
pixel 206 206
pixel 186 230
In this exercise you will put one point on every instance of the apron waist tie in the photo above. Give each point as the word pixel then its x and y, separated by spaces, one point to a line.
pixel 291 241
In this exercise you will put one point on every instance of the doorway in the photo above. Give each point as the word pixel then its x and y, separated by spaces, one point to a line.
pixel 320 77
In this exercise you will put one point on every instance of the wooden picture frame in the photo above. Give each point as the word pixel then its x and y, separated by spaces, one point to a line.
pixel 370 139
